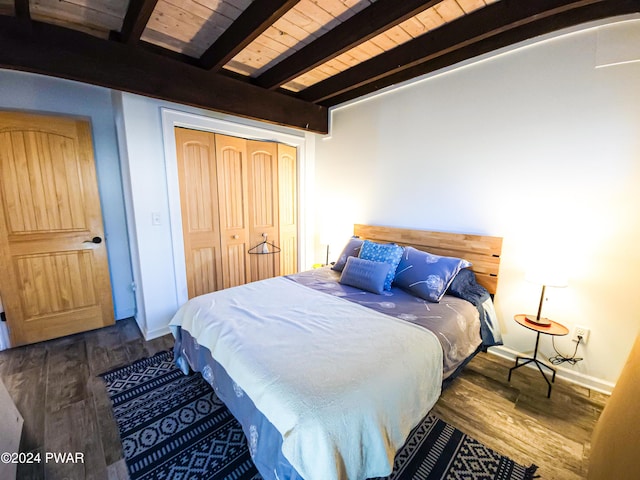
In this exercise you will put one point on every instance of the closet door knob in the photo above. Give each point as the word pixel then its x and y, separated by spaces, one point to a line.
pixel 236 236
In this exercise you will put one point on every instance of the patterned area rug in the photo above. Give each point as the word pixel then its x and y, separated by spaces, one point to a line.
pixel 173 426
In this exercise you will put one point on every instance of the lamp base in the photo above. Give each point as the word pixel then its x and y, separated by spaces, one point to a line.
pixel 541 322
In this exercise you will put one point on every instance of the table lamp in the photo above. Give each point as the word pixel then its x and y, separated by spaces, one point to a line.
pixel 548 276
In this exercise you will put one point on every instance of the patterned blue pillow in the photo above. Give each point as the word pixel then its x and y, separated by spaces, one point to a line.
pixel 383 252
pixel 426 275
pixel 365 274
pixel 351 249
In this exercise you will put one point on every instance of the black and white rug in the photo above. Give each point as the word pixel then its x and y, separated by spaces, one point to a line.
pixel 173 426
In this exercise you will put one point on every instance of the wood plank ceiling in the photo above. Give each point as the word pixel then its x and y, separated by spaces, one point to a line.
pixel 281 61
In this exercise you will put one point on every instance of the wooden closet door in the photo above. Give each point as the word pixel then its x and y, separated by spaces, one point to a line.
pixel 232 170
pixel 53 259
pixel 198 181
pixel 288 208
pixel 263 207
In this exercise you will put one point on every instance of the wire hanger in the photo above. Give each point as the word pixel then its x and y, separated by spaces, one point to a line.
pixel 263 247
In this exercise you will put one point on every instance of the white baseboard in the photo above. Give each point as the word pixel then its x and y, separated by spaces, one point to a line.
pixel 578 378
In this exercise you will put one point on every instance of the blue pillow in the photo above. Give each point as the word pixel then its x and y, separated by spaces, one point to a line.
pixel 351 249
pixel 426 275
pixel 365 274
pixel 383 252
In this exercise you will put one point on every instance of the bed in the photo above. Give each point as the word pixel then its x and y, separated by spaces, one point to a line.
pixel 326 371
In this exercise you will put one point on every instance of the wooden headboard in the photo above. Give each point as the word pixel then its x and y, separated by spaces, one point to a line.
pixel 481 250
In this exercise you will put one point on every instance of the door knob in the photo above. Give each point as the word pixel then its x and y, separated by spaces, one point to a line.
pixel 235 237
pixel 94 240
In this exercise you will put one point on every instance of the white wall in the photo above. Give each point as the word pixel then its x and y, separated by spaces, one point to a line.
pixel 536 146
pixel 37 93
pixel 147 147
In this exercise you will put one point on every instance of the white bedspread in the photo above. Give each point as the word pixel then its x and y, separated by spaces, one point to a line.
pixel 342 383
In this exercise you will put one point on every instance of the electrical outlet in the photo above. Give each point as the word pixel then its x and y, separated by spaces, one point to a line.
pixel 580 331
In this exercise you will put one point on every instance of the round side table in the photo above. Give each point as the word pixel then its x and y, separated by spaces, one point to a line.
pixel 556 329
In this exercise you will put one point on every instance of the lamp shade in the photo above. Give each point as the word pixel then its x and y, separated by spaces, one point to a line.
pixel 547 272
pixel 325 237
pixel 550 275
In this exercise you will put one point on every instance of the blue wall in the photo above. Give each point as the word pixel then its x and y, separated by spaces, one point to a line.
pixel 37 93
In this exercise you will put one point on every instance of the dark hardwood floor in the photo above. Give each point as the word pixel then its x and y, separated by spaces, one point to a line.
pixel 517 419
pixel 65 407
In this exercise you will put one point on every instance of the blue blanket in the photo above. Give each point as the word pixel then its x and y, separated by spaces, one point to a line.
pixel 465 286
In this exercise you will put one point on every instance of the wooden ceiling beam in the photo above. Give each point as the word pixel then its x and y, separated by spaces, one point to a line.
pixel 495 26
pixel 366 24
pixel 258 16
pixel 22 9
pixel 135 21
pixel 65 53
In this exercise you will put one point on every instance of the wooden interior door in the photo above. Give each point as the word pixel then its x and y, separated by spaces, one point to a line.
pixel 263 208
pixel 55 275
pixel 199 204
pixel 232 171
pixel 288 208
